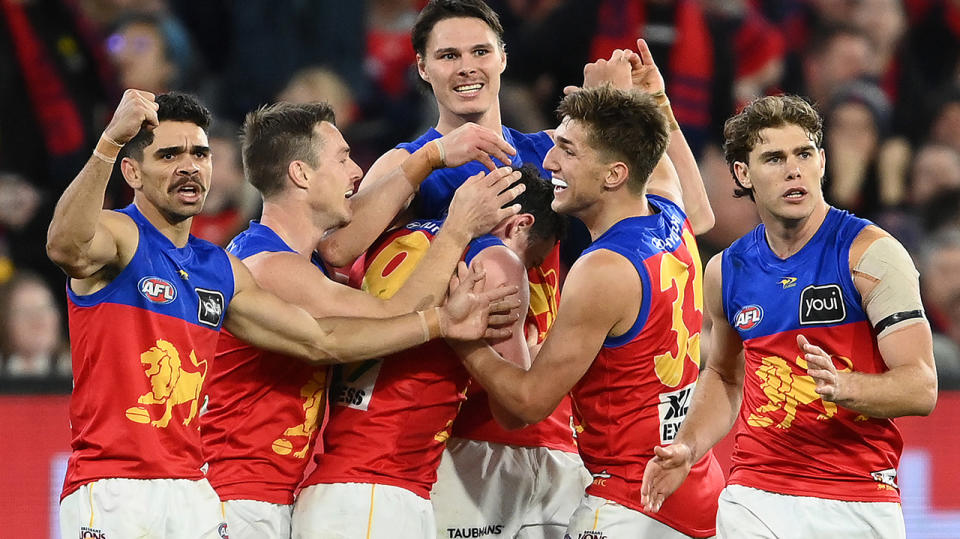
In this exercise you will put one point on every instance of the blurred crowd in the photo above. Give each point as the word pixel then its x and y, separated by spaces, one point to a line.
pixel 884 73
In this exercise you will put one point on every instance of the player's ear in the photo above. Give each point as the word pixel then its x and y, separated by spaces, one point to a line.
pixel 617 174
pixel 742 172
pixel 503 59
pixel 297 174
pixel 130 169
pixel 523 221
pixel 421 68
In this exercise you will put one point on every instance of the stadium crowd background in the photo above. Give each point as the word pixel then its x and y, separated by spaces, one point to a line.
pixel 884 73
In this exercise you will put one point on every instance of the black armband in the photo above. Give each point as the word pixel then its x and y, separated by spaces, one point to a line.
pixel 896 318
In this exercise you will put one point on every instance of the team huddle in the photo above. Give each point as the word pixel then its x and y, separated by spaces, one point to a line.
pixel 448 390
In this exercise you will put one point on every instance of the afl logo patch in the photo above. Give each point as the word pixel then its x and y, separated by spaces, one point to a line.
pixel 157 290
pixel 748 317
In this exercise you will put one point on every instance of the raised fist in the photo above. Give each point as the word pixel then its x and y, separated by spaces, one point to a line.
pixel 137 109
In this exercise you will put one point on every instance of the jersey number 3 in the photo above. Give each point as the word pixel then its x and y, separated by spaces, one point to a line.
pixel 675 274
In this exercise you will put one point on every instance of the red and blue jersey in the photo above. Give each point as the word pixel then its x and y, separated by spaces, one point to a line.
pixel 390 419
pixel 475 422
pixel 142 347
pixel 637 391
pixel 264 409
pixel 788 439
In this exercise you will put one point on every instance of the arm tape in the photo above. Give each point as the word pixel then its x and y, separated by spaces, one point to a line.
pixel 896 294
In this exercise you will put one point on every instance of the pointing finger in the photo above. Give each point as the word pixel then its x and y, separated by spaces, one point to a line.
pixel 645 55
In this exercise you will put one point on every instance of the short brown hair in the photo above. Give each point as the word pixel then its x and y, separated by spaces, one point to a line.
pixel 439 10
pixel 274 135
pixel 625 125
pixel 741 133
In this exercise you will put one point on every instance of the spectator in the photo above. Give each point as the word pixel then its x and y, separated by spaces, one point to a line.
pixel 836 55
pixel 35 356
pixel 940 286
pixel 19 202
pixel 857 122
pixel 942 212
pixel 932 200
pixel 945 127
pixel 368 135
pixel 936 168
pixel 884 23
pixel 55 86
pixel 151 52
pixel 314 84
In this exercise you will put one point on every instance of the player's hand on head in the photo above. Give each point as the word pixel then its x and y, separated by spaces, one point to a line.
pixel 137 109
pixel 664 474
pixel 477 205
pixel 471 313
pixel 644 73
pixel 472 142
pixel 820 367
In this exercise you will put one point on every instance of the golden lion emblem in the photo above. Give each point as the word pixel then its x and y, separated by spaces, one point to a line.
pixel 313 392
pixel 785 390
pixel 170 385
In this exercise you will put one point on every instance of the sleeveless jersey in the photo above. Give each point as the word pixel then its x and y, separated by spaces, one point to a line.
pixel 264 409
pixel 475 422
pixel 788 439
pixel 142 347
pixel 390 419
pixel 638 390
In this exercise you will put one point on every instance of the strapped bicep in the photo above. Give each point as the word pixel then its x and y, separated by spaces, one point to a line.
pixel 894 300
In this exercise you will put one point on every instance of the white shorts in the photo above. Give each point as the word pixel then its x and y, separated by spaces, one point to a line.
pixel 507 491
pixel 253 519
pixel 143 508
pixel 601 518
pixel 361 511
pixel 749 513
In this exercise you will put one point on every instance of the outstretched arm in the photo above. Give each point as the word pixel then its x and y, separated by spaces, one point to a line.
pixel 715 405
pixel 396 176
pixel 83 238
pixel 266 321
